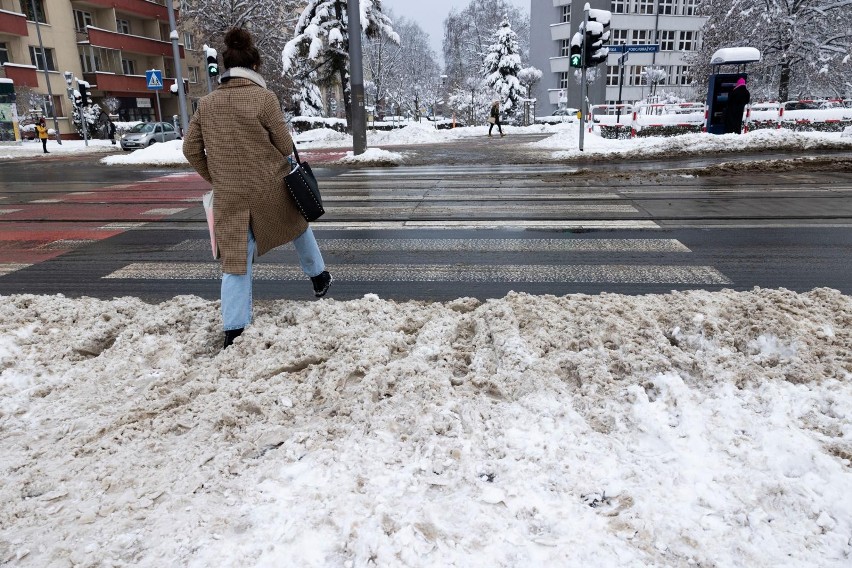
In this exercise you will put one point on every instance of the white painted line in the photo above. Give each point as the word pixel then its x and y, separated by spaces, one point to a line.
pixel 554 225
pixel 8 268
pixel 121 226
pixel 478 245
pixel 391 195
pixel 7 211
pixel 165 211
pixel 69 244
pixel 591 273
pixel 46 201
pixel 91 192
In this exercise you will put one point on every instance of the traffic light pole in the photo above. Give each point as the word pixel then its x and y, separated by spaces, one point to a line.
pixel 583 105
pixel 356 79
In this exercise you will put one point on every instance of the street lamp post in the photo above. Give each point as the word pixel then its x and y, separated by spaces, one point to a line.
pixel 356 79
pixel 46 76
pixel 184 117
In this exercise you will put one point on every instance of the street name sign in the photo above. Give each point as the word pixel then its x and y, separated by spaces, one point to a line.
pixel 634 48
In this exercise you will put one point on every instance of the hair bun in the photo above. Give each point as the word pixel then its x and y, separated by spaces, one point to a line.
pixel 238 38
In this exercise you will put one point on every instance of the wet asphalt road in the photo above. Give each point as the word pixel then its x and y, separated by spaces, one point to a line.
pixel 74 227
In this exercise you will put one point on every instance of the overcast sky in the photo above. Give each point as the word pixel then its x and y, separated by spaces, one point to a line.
pixel 430 15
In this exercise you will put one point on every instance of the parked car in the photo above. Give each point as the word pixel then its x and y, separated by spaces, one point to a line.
pixel 146 133
pixel 558 116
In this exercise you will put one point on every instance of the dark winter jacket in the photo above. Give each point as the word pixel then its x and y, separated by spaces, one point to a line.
pixel 737 101
pixel 495 112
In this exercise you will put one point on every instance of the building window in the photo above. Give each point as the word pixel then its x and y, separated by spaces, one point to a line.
pixel 128 66
pixel 688 7
pixel 687 41
pixel 193 74
pixel 168 67
pixel 187 40
pixel 635 75
pixel 4 53
pixel 641 36
pixel 620 6
pixel 88 63
pixel 566 14
pixel 81 20
pixel 612 76
pixel 565 48
pixel 122 26
pixel 618 37
pixel 53 108
pixel 563 80
pixel 42 60
pixel 27 8
pixel 667 7
pixel 645 7
pixel 667 40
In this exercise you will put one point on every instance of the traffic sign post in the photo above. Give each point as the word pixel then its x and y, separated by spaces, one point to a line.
pixel 154 81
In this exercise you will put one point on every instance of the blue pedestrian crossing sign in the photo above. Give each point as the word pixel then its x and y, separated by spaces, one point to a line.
pixel 154 79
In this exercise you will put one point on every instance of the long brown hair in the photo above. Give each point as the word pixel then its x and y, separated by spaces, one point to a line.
pixel 240 50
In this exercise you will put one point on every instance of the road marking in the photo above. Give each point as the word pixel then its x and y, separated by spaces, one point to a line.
pixel 332 197
pixel 7 211
pixel 164 211
pixel 91 192
pixel 68 244
pixel 388 209
pixel 478 245
pixel 46 201
pixel 497 224
pixel 447 171
pixel 589 273
pixel 121 226
pixel 8 268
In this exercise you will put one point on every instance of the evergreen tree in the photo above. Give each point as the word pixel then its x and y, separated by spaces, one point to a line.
pixel 319 52
pixel 502 65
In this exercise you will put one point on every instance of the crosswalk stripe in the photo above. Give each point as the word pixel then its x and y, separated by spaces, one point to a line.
pixel 389 209
pixel 445 171
pixel 508 224
pixel 10 267
pixel 478 245
pixel 589 273
pixel 334 196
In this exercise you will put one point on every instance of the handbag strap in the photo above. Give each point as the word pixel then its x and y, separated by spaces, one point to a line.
pixel 296 153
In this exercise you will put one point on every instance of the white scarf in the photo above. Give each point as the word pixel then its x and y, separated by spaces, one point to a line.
pixel 243 73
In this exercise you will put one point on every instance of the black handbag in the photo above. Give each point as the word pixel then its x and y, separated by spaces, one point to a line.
pixel 302 185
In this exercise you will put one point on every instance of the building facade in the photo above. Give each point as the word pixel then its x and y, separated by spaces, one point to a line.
pixel 109 43
pixel 672 24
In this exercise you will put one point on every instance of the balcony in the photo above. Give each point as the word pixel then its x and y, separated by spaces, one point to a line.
pixel 130 43
pixel 13 23
pixel 560 31
pixel 143 8
pixel 125 84
pixel 22 75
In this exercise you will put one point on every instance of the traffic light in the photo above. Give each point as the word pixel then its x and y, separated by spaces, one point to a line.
pixel 85 98
pixel 597 34
pixel 577 50
pixel 212 63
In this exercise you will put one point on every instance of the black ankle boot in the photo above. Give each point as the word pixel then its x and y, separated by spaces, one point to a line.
pixel 231 335
pixel 321 283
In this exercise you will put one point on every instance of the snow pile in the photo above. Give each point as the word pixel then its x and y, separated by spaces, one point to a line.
pixel 33 148
pixel 160 154
pixel 566 141
pixel 373 157
pixel 694 428
pixel 322 135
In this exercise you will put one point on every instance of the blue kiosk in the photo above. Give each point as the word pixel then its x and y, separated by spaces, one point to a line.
pixel 721 84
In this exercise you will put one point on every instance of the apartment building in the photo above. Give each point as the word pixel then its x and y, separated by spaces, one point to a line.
pixel 109 43
pixel 670 23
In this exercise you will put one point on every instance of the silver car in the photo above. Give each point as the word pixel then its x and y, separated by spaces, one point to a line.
pixel 147 133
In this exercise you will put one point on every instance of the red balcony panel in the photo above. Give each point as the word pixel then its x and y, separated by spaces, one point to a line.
pixel 126 84
pixel 13 23
pixel 142 8
pixel 130 43
pixel 22 75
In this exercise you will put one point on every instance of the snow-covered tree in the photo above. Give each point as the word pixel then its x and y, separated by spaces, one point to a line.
pixel 322 42
pixel 472 101
pixel 468 33
pixel 805 44
pixel 269 22
pixel 501 67
pixel 529 78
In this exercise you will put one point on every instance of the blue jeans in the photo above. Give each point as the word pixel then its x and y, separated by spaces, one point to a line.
pixel 236 288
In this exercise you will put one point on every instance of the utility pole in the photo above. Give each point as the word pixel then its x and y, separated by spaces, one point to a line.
pixel 46 76
pixel 184 117
pixel 356 79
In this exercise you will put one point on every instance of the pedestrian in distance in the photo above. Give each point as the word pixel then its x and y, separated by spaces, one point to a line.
pixel 737 101
pixel 252 209
pixel 494 118
pixel 111 130
pixel 41 128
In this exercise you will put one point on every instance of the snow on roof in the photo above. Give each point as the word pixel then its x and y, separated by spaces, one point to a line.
pixel 735 55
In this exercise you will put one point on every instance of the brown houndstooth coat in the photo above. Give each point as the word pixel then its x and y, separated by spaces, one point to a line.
pixel 237 141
